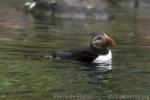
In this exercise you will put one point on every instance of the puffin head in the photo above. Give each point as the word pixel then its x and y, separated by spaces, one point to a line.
pixel 30 5
pixel 102 40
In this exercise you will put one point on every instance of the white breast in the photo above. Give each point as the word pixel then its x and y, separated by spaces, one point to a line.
pixel 104 61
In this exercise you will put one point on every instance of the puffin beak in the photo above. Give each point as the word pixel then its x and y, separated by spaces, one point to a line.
pixel 111 42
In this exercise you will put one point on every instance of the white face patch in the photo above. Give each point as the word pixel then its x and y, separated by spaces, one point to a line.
pixel 27 3
pixel 30 5
pixel 98 41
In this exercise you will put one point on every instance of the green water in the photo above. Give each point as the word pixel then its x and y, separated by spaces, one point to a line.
pixel 26 75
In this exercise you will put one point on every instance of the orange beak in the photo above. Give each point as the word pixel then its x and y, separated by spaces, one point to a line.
pixel 111 42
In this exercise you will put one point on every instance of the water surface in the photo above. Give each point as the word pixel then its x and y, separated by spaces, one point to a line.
pixel 26 75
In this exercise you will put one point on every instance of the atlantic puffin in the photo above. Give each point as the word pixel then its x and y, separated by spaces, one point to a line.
pixel 43 12
pixel 97 53
pixel 39 4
